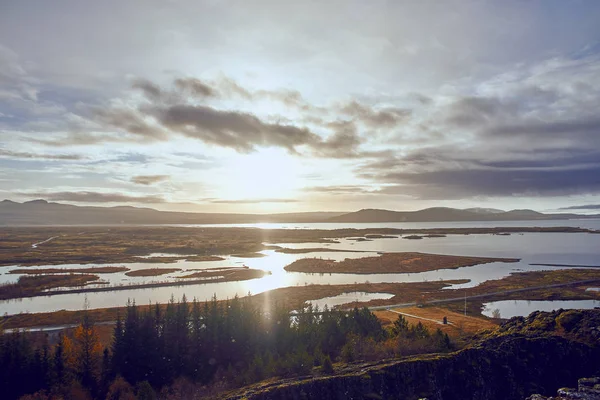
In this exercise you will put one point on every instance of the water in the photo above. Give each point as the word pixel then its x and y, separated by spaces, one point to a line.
pixel 578 223
pixel 551 248
pixel 521 308
pixel 350 297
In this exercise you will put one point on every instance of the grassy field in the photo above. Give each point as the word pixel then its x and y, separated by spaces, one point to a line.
pixel 152 271
pixel 46 271
pixel 29 286
pixel 407 262
pixel 458 324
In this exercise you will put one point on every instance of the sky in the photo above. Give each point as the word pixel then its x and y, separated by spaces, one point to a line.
pixel 277 106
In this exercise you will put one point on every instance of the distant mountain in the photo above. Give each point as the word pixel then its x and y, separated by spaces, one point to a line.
pixel 41 212
pixel 444 214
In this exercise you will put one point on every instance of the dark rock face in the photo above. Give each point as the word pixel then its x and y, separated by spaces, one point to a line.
pixel 511 365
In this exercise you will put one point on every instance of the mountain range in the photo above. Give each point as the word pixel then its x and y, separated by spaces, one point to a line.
pixel 42 212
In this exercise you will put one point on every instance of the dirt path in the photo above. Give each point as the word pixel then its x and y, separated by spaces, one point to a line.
pixel 423 318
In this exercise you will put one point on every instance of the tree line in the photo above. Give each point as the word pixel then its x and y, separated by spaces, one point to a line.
pixel 211 345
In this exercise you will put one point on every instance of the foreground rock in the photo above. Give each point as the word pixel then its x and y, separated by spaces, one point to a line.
pixel 587 389
pixel 538 354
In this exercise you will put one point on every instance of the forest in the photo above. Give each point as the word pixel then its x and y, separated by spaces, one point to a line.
pixel 201 348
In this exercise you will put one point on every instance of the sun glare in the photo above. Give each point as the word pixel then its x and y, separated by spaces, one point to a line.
pixel 265 174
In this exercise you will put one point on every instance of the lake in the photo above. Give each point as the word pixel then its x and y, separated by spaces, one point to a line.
pixel 540 248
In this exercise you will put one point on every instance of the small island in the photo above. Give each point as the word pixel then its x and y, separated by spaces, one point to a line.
pixel 405 262
pixel 152 271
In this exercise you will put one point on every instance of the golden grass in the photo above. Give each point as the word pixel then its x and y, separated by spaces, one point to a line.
pixel 152 271
pixel 406 262
pixel 93 270
pixel 459 324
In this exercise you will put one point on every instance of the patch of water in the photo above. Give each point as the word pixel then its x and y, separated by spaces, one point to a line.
pixel 350 297
pixel 521 308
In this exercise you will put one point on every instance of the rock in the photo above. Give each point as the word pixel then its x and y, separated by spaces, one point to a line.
pixel 587 389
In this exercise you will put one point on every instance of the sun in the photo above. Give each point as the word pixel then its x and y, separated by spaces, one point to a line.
pixel 264 174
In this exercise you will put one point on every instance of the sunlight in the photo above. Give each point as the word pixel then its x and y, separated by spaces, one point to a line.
pixel 265 174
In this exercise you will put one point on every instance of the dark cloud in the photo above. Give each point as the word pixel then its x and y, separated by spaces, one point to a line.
pixel 583 207
pixel 35 156
pixel 473 112
pixel 254 201
pixel 149 89
pixel 343 143
pixel 454 172
pixel 237 130
pixel 465 183
pixel 94 197
pixel 375 118
pixel 182 110
pixel 195 87
pixel 574 129
pixel 148 179
pixel 131 121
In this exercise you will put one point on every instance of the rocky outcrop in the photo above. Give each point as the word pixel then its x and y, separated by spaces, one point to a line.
pixel 512 364
pixel 587 389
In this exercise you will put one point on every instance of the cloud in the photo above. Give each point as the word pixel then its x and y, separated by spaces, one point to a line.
pixel 582 207
pixel 237 130
pixel 387 117
pixel 254 201
pixel 148 179
pixel 195 87
pixel 149 89
pixel 34 156
pixel 472 182
pixel 94 197
pixel 342 189
pixel 131 121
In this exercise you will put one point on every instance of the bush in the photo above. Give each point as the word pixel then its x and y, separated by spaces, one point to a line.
pixel 327 367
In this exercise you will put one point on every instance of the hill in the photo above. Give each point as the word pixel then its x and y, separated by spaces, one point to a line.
pixel 444 214
pixel 42 212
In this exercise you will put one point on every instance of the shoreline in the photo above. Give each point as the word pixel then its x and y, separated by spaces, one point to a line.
pixel 536 285
pixel 390 263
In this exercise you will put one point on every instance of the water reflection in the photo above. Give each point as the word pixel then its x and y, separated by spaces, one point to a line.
pixel 531 247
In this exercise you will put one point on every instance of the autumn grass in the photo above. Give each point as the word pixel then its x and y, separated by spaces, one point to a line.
pixel 407 262
pixel 204 258
pixel 316 250
pixel 458 324
pixel 233 274
pixel 93 270
pixel 248 255
pixel 152 271
pixel 29 286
